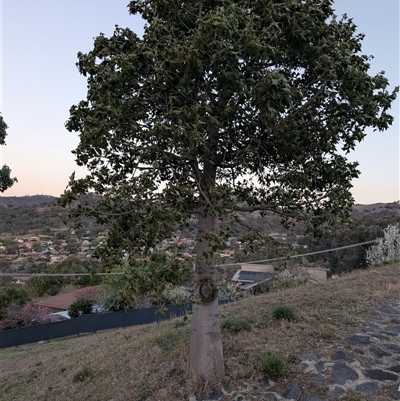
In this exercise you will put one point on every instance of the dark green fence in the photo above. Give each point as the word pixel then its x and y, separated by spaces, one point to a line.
pixel 90 324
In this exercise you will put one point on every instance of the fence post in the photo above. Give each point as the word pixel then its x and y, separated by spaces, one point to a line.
pixel 79 325
pixel 95 322
pixel 48 331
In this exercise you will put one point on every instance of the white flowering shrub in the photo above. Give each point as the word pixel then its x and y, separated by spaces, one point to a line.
pixel 291 277
pixel 230 290
pixel 176 295
pixel 387 249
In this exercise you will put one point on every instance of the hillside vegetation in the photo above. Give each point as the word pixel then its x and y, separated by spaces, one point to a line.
pixel 150 362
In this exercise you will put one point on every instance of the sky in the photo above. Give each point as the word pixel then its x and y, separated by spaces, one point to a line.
pixel 39 82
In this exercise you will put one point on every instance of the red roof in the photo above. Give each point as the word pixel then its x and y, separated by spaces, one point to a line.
pixel 61 302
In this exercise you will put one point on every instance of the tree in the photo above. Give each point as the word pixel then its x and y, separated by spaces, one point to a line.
pixel 5 173
pixel 12 295
pixel 223 106
pixel 38 286
pixel 81 306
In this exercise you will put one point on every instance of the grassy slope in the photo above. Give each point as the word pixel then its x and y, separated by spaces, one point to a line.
pixel 150 362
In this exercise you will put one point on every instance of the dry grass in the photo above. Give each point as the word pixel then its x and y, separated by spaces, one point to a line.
pixel 150 362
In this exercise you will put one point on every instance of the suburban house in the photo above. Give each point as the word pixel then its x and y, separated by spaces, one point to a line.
pixel 252 275
pixel 62 301
pixel 21 280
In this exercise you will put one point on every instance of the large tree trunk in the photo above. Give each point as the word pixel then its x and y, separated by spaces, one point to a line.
pixel 206 355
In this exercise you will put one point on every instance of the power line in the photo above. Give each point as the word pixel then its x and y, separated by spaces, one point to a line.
pixel 221 265
pixel 298 256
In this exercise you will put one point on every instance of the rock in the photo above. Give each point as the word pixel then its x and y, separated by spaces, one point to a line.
pixel 374 362
pixel 341 373
pixel 215 394
pixel 378 352
pixel 392 347
pixel 395 368
pixel 320 366
pixel 389 310
pixel 309 357
pixel 319 378
pixel 339 356
pixel 381 336
pixel 336 393
pixel 301 366
pixel 389 333
pixel 268 396
pixel 395 394
pixel 368 387
pixel 309 398
pixel 377 374
pixel 292 391
pixel 358 340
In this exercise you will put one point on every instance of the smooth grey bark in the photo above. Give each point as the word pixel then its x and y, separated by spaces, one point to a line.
pixel 206 353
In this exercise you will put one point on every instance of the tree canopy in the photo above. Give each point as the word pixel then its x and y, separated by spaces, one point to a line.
pixel 5 173
pixel 222 107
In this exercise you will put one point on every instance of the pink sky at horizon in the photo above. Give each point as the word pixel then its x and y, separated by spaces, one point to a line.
pixel 40 83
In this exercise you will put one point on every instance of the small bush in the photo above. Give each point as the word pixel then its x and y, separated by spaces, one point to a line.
pixel 284 312
pixel 182 322
pixel 235 325
pixel 80 307
pixel 83 375
pixel 273 367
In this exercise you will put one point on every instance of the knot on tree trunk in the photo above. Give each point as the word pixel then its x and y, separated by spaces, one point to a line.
pixel 207 290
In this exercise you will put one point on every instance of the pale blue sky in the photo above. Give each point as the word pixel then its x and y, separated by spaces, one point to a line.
pixel 40 40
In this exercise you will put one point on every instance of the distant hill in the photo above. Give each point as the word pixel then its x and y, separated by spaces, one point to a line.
pixel 28 200
pixel 23 214
pixel 377 210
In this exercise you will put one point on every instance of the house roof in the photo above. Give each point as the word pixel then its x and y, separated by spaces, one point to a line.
pixel 253 276
pixel 62 302
pixel 250 277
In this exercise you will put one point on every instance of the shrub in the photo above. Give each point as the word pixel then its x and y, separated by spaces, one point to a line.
pixel 235 325
pixel 81 306
pixel 83 375
pixel 387 248
pixel 24 316
pixel 182 322
pixel 176 295
pixel 289 278
pixel 284 312
pixel 273 367
pixel 231 290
